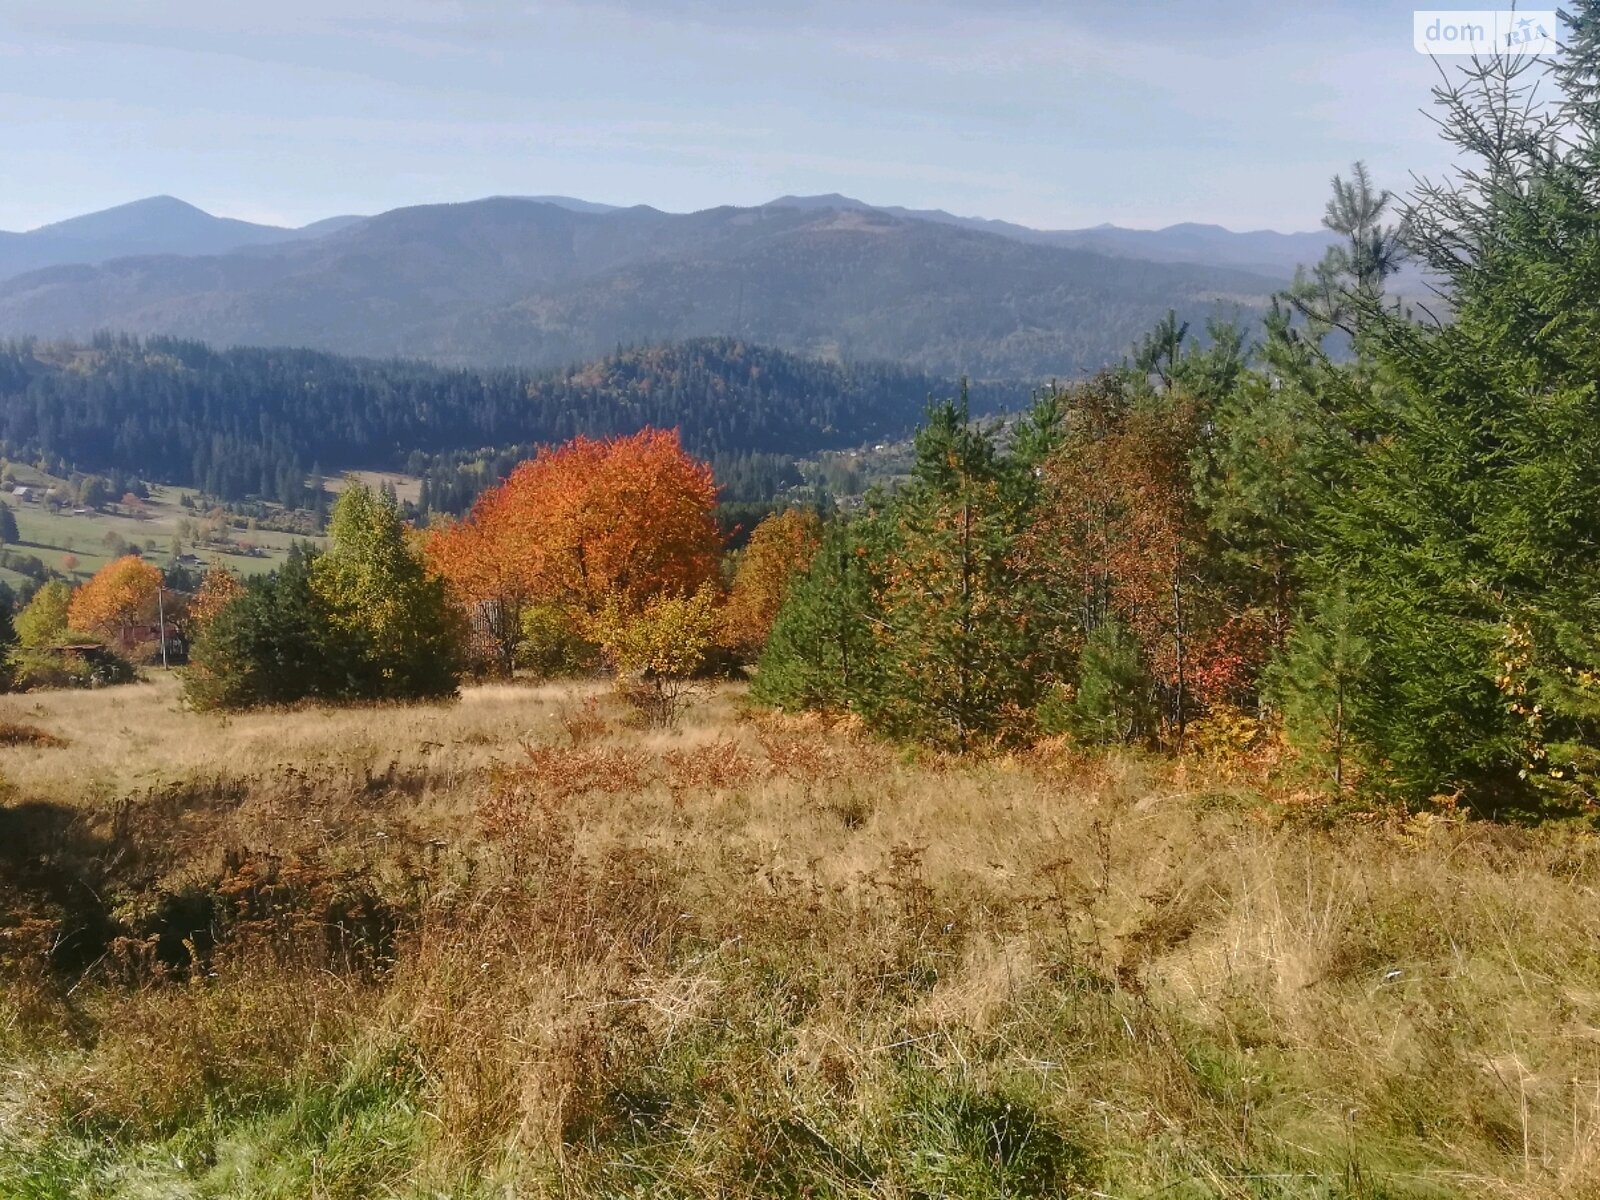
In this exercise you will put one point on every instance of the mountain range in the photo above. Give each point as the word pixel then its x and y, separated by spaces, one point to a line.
pixel 549 280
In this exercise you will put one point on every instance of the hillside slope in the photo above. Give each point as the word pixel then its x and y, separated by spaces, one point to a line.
pixel 516 946
pixel 1264 251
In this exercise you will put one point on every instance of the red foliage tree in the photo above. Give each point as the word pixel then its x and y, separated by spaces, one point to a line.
pixel 1120 534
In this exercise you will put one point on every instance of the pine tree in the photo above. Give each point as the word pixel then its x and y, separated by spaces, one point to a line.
pixel 1114 699
pixel 275 644
pixel 1320 681
pixel 1274 459
pixel 1161 350
pixel 8 643
pixel 1346 288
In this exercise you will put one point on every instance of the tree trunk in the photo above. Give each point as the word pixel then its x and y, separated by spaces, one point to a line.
pixel 1178 646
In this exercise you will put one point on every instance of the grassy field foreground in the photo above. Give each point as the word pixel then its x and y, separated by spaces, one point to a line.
pixel 516 947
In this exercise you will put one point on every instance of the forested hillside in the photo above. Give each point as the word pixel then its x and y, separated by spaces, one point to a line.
pixel 245 422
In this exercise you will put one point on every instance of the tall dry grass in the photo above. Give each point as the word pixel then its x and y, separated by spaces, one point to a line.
pixel 514 946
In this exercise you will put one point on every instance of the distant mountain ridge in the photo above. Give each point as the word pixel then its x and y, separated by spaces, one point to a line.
pixel 1262 250
pixel 547 282
pixel 167 225
pixel 156 225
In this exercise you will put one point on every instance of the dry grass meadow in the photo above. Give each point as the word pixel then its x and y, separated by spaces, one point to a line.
pixel 515 946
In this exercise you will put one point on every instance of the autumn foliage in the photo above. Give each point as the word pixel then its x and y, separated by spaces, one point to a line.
pixel 779 550
pixel 124 592
pixel 1120 535
pixel 471 557
pixel 658 651
pixel 590 525
pixel 1063 580
pixel 218 589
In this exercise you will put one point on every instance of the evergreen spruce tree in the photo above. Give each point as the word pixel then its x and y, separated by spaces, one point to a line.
pixel 957 642
pixel 1319 683
pixel 274 644
pixel 8 641
pixel 823 652
pixel 361 622
pixel 1115 699
pixel 1274 459
pixel 1467 534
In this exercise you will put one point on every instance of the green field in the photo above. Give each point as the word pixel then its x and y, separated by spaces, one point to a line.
pixel 79 543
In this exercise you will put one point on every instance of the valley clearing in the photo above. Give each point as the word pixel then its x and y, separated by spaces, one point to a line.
pixel 515 946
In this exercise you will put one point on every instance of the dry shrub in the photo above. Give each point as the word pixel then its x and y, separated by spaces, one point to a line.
pixel 584 723
pixel 717 766
pixel 18 733
pixel 517 986
pixel 798 759
pixel 298 907
pixel 565 772
pixel 26 943
pixel 810 758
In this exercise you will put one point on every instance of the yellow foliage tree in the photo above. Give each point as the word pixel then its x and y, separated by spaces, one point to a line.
pixel 124 592
pixel 657 650
pixel 780 549
pixel 44 621
pixel 218 589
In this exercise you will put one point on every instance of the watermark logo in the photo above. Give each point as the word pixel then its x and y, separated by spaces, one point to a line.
pixel 1484 31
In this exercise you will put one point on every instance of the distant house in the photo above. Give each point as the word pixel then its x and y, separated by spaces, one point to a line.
pixel 190 560
pixel 22 492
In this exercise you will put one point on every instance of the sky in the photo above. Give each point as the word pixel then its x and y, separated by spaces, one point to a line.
pixel 1056 115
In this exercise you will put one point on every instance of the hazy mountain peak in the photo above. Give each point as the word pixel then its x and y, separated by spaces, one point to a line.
pixel 152 210
pixel 508 281
pixel 153 225
pixel 1263 251
pixel 825 200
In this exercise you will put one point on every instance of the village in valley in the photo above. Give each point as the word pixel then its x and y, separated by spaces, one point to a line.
pixel 72 527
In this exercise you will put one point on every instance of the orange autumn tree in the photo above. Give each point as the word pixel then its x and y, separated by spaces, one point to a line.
pixel 472 558
pixel 780 549
pixel 586 527
pixel 454 551
pixel 218 589
pixel 124 592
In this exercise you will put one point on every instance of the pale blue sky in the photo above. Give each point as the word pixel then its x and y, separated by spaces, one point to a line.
pixel 1056 115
